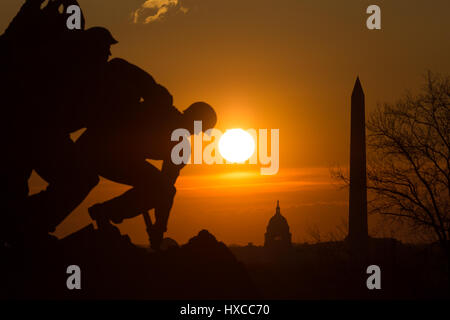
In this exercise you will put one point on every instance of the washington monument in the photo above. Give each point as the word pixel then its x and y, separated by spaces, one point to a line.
pixel 357 223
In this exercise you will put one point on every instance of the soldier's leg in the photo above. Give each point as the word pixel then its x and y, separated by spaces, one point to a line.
pixel 59 162
pixel 15 170
pixel 13 194
pixel 150 189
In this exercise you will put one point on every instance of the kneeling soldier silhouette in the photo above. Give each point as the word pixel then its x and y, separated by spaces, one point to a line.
pixel 138 126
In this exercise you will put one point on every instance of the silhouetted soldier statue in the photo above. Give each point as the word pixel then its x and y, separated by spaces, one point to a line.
pixel 83 80
pixel 137 125
pixel 51 75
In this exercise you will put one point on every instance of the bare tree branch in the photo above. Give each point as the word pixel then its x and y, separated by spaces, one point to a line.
pixel 409 159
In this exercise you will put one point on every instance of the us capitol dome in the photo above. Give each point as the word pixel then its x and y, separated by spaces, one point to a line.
pixel 278 235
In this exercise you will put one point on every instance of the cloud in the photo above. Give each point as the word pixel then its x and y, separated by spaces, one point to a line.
pixel 153 10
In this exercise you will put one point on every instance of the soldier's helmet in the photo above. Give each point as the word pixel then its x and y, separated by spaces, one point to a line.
pixel 201 111
pixel 99 36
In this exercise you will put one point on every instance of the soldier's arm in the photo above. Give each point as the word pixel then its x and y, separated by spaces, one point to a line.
pixel 141 80
pixel 162 211
pixel 171 171
pixel 159 97
pixel 154 94
pixel 169 168
pixel 29 10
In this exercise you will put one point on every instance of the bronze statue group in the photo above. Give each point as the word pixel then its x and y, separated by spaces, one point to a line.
pixel 55 81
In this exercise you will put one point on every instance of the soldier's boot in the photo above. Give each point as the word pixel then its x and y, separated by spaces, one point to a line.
pixel 101 217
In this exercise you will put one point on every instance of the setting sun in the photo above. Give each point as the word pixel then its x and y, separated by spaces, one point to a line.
pixel 236 145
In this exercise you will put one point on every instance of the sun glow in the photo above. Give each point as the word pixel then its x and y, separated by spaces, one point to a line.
pixel 236 145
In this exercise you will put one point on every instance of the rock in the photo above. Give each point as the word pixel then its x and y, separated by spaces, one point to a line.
pixel 112 267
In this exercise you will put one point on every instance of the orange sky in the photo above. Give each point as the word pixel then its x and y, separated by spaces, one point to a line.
pixel 288 65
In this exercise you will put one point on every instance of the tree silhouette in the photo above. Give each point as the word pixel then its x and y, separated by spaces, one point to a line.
pixel 408 171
